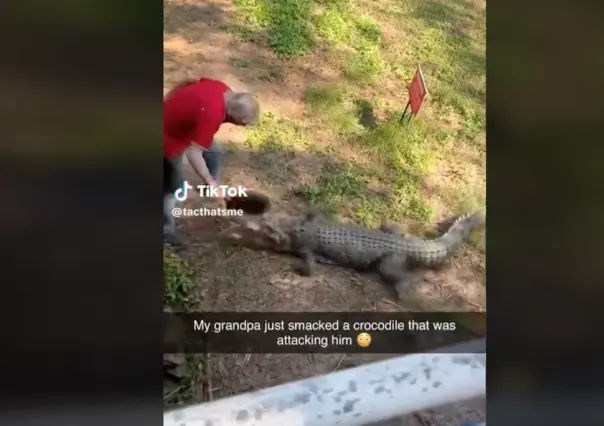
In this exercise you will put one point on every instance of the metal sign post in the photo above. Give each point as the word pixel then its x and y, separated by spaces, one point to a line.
pixel 417 93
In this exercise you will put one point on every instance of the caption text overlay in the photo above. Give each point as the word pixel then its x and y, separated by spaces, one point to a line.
pixel 318 332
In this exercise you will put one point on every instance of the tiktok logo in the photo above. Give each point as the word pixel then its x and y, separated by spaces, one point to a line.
pixel 181 193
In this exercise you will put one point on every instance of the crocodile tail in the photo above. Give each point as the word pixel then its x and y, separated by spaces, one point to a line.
pixel 461 228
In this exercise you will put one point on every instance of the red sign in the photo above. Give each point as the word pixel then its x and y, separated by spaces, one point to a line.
pixel 417 91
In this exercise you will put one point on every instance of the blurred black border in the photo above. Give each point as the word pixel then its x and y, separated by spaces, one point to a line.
pixel 80 169
pixel 80 172
pixel 545 210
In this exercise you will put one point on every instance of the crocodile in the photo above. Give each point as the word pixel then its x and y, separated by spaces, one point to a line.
pixel 385 250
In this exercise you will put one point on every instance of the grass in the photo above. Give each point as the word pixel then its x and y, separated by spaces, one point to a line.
pixel 364 65
pixel 396 178
pixel 407 172
pixel 285 22
pixel 334 107
pixel 179 282
pixel 179 295
pixel 275 133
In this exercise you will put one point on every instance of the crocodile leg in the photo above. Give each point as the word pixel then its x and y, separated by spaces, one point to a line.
pixel 393 270
pixel 308 262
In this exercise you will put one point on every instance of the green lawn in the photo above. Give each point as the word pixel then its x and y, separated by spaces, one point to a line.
pixel 437 163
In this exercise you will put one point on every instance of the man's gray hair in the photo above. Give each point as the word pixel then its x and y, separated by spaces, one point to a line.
pixel 242 107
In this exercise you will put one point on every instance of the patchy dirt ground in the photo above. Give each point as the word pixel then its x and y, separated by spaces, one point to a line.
pixel 197 43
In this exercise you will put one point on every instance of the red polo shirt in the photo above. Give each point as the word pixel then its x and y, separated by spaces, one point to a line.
pixel 193 113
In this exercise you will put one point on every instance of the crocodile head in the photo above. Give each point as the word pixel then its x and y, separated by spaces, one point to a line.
pixel 263 232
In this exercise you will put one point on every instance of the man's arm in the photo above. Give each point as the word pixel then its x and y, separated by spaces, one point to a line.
pixel 195 156
pixel 204 137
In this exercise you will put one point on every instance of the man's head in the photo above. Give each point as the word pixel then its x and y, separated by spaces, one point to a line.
pixel 242 108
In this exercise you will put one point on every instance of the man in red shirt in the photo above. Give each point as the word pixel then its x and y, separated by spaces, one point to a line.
pixel 193 113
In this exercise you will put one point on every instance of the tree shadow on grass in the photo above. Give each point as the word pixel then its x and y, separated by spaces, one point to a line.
pixel 189 27
pixel 181 18
pixel 207 40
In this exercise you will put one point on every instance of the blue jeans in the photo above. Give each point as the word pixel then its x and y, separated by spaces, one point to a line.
pixel 214 158
pixel 173 179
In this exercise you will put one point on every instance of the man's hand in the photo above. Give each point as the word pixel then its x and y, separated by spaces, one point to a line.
pixel 195 156
pixel 213 189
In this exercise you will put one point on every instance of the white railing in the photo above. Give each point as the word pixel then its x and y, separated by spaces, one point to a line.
pixel 353 397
